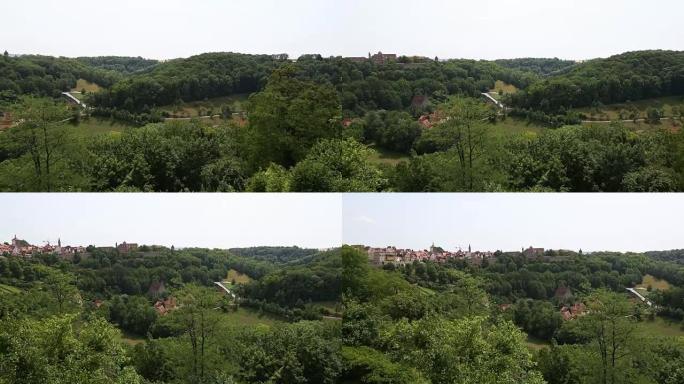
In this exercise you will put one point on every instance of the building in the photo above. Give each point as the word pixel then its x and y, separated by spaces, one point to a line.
pixel 126 247
pixel 533 252
pixel 383 58
pixel 393 255
pixel 165 306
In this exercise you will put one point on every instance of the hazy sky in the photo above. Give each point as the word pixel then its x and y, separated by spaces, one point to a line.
pixel 205 220
pixel 575 29
pixel 618 222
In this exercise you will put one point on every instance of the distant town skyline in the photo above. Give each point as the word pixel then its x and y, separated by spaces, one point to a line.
pixel 182 220
pixel 511 222
pixel 486 29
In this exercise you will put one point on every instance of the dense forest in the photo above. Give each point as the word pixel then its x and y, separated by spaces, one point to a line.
pixel 234 122
pixel 564 317
pixel 154 315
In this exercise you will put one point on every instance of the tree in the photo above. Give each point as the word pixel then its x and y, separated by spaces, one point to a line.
pixel 61 287
pixel 611 326
pixel 337 165
pixel 53 350
pixel 44 140
pixel 199 320
pixel 469 350
pixel 289 116
pixel 464 120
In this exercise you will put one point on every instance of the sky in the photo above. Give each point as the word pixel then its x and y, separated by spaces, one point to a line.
pixel 182 220
pixel 482 29
pixel 509 222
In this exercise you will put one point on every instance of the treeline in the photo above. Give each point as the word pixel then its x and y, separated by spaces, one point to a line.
pixel 538 66
pixel 275 254
pixel 119 64
pixel 47 76
pixel 627 77
pixel 195 78
pixel 364 86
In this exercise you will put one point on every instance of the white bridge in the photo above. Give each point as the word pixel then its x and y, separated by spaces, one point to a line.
pixel 640 296
pixel 228 291
pixel 73 99
pixel 491 99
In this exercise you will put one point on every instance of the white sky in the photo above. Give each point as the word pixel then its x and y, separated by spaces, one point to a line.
pixel 488 29
pixel 203 220
pixel 593 222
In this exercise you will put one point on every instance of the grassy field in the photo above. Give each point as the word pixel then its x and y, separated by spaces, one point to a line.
pixel 612 111
pixel 514 126
pixel 202 108
pixel 535 343
pixel 662 327
pixel 9 289
pixel 247 316
pixel 240 278
pixel 95 126
pixel 642 126
pixel 500 87
pixel 654 282
pixel 87 85
pixel 385 156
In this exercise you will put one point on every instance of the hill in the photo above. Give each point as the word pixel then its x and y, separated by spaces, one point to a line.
pixel 629 76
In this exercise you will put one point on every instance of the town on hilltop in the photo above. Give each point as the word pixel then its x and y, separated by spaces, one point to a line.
pixel 20 247
pixel 397 256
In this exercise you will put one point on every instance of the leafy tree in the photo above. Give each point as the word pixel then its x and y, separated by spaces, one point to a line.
pixel 612 328
pixel 51 350
pixel 289 116
pixel 337 166
pixel 199 322
pixel 467 351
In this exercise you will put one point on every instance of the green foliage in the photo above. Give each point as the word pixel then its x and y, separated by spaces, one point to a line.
pixel 167 157
pixel 630 76
pixel 589 159
pixel 538 318
pixel 469 350
pixel 337 166
pixel 298 353
pixel 275 178
pixel 289 116
pixel 368 366
pixel 392 130
pixel 53 350
pixel 47 76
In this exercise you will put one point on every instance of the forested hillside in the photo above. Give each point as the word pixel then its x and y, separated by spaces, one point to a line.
pixel 155 315
pixel 538 66
pixel 119 63
pixel 234 122
pixel 46 76
pixel 512 319
pixel 630 76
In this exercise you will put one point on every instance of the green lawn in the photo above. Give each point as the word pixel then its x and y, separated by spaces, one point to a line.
pixel 535 343
pixel 240 278
pixel 642 126
pixel 248 316
pixel 87 85
pixel 654 282
pixel 514 126
pixel 662 327
pixel 96 125
pixel 385 156
pixel 611 112
pixel 193 108
pixel 501 86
